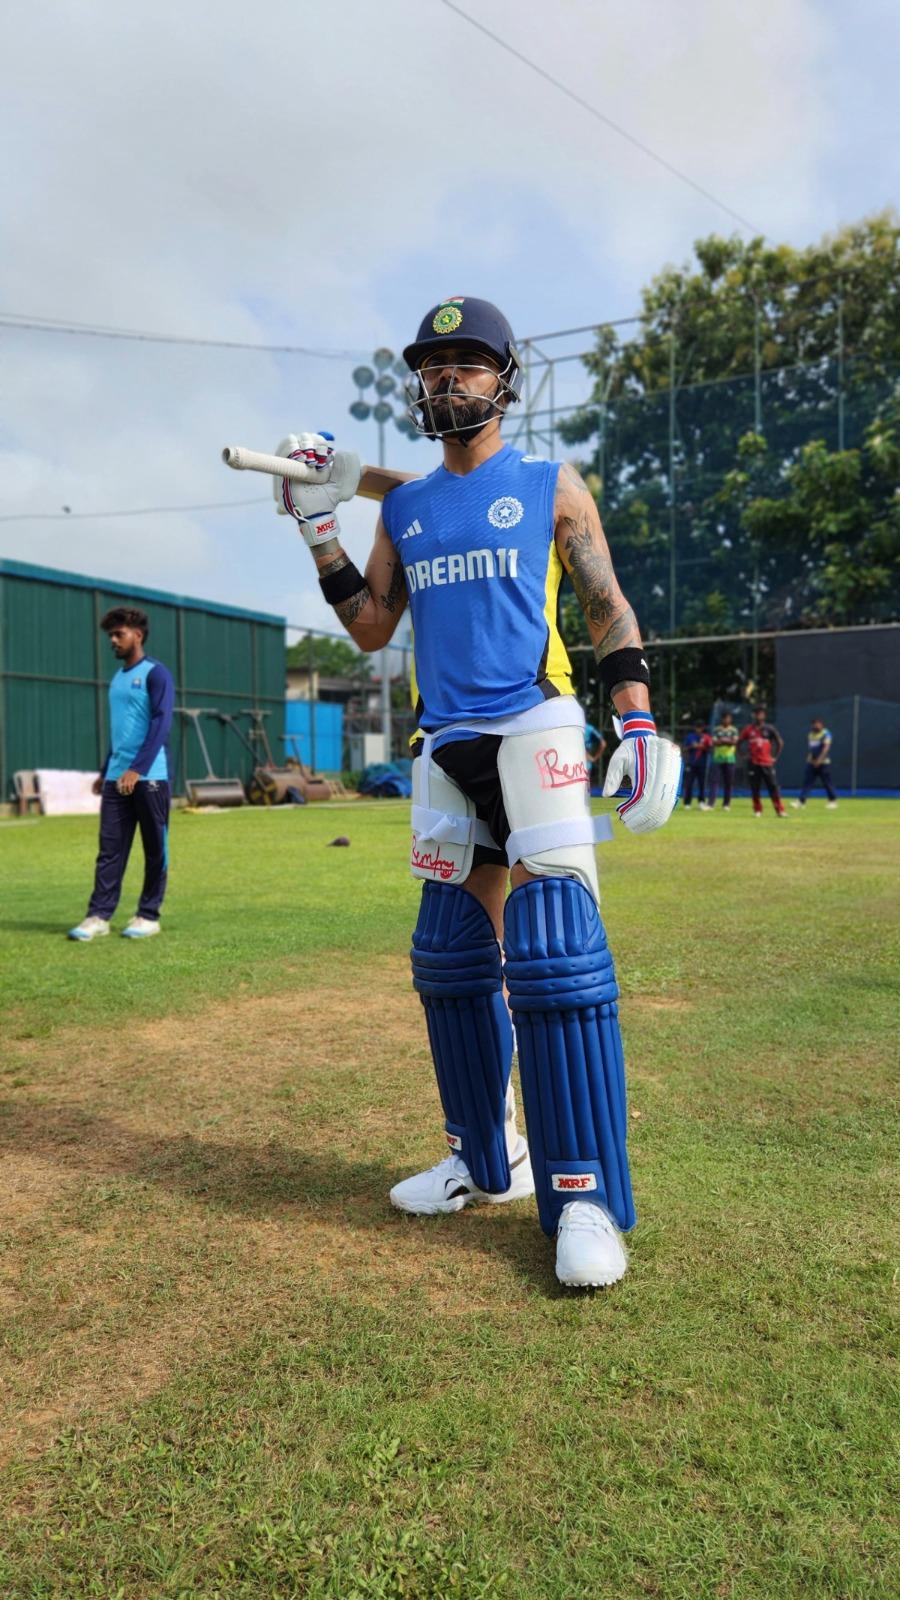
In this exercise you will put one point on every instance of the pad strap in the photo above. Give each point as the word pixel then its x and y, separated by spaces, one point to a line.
pixel 555 835
pixel 443 828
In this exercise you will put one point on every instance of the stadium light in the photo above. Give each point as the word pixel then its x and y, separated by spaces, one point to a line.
pixel 382 378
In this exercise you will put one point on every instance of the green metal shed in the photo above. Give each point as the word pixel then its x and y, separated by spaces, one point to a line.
pixel 55 666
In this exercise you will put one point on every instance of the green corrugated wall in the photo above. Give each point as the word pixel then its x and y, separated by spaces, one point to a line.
pixel 55 667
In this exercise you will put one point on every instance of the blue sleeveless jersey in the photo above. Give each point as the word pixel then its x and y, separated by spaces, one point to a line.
pixel 483 575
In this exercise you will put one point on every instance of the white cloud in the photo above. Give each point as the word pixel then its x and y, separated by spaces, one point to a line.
pixel 319 176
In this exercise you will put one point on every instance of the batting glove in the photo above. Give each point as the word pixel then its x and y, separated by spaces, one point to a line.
pixel 654 767
pixel 334 476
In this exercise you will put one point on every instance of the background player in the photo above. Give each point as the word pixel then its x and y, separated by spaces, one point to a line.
pixel 595 745
pixel 818 764
pixel 695 747
pixel 478 550
pixel 764 746
pixel 721 764
pixel 134 781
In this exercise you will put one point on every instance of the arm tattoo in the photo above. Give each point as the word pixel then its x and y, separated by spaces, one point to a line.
pixel 349 610
pixel 592 571
pixel 332 564
pixel 593 578
pixel 395 588
pixel 622 632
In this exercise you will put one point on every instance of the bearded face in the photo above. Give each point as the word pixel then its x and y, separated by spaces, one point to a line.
pixel 456 393
pixel 455 410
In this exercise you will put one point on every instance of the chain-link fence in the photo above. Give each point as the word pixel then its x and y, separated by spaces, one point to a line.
pixel 683 429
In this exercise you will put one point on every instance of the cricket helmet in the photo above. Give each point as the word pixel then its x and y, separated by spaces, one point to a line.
pixel 465 324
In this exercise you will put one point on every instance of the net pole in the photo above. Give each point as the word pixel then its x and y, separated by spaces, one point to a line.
pixel 385 654
pixel 673 570
pixel 840 361
pixel 311 658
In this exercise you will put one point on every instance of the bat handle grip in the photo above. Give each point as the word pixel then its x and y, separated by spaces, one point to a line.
pixel 234 455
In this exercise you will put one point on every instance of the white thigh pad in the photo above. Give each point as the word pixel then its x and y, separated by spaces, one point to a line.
pixel 445 827
pixel 545 778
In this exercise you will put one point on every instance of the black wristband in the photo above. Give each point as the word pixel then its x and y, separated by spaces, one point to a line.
pixel 343 584
pixel 624 666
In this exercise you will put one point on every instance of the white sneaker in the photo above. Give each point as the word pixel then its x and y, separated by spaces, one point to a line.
pixel 141 928
pixel 704 806
pixel 448 1187
pixel 90 928
pixel 831 805
pixel 590 1251
pixel 797 805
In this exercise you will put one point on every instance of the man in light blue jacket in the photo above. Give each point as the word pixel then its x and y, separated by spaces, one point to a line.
pixel 135 780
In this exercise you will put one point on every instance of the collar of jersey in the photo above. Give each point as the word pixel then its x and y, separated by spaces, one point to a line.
pixel 465 477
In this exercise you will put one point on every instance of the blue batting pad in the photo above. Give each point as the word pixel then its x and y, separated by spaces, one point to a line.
pixel 457 971
pixel 563 992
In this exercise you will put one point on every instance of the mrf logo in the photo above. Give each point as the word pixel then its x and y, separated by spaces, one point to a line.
pixel 573 1180
pixel 557 774
pixel 454 1141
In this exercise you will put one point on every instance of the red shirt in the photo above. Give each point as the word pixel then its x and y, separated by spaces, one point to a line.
pixel 760 737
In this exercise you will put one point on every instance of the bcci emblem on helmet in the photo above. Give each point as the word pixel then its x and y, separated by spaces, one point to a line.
pixel 447 319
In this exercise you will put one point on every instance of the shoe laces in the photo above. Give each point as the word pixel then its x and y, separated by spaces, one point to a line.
pixel 583 1214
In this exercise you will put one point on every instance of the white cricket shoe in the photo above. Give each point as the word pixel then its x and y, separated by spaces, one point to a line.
pixel 90 928
pixel 831 805
pixel 798 804
pixel 590 1251
pixel 449 1186
pixel 141 928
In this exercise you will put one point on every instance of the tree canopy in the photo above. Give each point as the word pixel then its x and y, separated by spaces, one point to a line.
pixel 333 658
pixel 744 444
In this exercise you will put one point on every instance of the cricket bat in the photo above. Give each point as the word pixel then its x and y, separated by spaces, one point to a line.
pixel 374 483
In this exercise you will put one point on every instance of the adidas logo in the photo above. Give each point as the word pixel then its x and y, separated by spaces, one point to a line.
pixel 413 529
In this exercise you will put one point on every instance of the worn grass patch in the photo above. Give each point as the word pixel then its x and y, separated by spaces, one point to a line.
pixel 231 1370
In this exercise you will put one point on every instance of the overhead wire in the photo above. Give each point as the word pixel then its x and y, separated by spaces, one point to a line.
pixel 139 511
pixel 15 319
pixel 601 116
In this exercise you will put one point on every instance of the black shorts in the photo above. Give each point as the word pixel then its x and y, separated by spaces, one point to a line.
pixel 472 763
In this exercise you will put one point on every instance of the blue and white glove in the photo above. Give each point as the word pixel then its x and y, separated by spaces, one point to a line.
pixel 334 476
pixel 654 767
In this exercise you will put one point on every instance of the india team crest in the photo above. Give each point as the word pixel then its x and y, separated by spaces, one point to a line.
pixel 447 319
pixel 505 512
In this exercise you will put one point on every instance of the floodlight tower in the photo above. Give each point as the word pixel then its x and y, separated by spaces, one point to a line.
pixel 386 375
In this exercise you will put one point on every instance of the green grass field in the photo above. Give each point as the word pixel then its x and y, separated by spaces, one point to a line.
pixel 231 1370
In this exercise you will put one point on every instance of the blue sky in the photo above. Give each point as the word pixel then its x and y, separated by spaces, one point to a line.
pixel 322 175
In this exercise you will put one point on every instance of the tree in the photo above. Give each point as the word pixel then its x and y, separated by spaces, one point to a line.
pixel 761 383
pixel 333 658
pixel 839 514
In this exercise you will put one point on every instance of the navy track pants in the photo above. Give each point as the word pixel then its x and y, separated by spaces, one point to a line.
pixel 147 808
pixel 814 774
